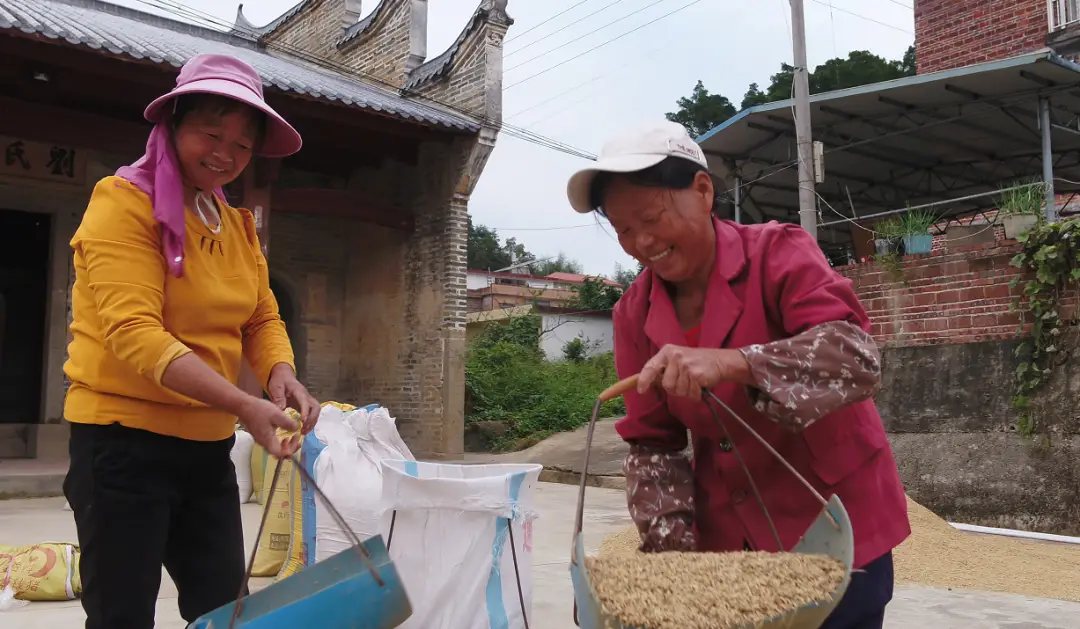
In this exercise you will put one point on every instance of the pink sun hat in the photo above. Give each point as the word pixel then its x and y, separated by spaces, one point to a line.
pixel 230 77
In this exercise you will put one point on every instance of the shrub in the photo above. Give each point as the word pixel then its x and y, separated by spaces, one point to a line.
pixel 508 380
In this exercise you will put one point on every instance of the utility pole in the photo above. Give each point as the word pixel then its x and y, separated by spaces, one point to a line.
pixel 804 144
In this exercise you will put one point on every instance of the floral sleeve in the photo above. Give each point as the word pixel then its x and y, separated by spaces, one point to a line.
pixel 804 378
pixel 660 495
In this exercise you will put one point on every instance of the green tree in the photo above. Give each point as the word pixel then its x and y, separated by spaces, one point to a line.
pixel 907 64
pixel 515 252
pixel 487 252
pixel 860 68
pixel 595 294
pixel 753 96
pixel 626 276
pixel 701 111
pixel 521 331
pixel 559 264
pixel 575 350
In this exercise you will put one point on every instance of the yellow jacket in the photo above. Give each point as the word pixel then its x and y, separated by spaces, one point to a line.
pixel 131 318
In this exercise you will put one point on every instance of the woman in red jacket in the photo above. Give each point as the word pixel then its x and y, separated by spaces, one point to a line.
pixel 755 314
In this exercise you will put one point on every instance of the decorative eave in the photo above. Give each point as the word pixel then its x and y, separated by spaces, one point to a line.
pixel 361 27
pixel 245 28
pixel 493 11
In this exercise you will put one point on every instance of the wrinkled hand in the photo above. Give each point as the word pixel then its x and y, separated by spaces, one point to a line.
pixel 261 418
pixel 685 371
pixel 286 391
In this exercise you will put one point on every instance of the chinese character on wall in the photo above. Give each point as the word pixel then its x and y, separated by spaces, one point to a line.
pixel 62 161
pixel 15 154
pixel 37 160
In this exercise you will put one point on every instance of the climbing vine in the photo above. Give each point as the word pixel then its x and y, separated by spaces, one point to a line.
pixel 1050 261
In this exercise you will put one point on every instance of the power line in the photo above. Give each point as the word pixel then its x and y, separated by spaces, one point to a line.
pixel 564 45
pixel 601 45
pixel 564 11
pixel 901 4
pixel 650 58
pixel 177 9
pixel 550 35
pixel 542 229
pixel 863 17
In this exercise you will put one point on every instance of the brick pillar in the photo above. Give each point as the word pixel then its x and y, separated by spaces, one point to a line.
pixel 455 295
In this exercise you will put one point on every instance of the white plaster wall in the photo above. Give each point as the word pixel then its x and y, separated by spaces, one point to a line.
pixel 476 280
pixel 561 329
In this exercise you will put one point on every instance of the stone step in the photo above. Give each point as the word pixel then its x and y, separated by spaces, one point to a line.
pixel 31 478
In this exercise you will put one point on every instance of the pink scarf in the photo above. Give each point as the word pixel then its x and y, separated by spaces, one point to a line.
pixel 157 173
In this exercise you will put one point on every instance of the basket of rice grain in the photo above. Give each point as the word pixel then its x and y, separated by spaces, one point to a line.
pixel 629 589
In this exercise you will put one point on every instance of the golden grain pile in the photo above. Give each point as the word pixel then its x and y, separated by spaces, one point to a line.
pixel 624 542
pixel 938 555
pixel 708 590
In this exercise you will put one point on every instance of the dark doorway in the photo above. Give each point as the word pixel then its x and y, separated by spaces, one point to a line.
pixel 24 276
pixel 287 310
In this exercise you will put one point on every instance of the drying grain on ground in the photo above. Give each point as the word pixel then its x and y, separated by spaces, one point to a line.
pixel 709 590
pixel 939 555
pixel 626 541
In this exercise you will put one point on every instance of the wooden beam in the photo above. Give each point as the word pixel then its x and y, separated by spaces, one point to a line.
pixel 46 123
pixel 342 204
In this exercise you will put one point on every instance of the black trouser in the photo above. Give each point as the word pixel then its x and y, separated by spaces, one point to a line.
pixel 141 501
pixel 863 605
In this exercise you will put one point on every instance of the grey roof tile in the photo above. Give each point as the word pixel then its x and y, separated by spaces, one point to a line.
pixel 122 31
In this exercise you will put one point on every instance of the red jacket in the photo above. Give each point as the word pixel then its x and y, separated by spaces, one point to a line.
pixel 770 282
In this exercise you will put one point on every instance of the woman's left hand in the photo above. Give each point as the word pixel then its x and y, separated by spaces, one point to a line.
pixel 685 371
pixel 286 391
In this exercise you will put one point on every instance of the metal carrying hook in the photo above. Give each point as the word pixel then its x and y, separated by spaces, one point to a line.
pixel 365 556
pixel 626 385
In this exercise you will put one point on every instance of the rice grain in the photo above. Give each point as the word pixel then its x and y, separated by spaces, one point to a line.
pixel 708 590
pixel 939 555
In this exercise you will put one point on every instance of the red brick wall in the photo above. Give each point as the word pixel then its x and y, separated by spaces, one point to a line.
pixel 956 33
pixel 957 296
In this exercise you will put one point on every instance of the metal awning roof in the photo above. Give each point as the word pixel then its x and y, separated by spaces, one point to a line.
pixel 915 140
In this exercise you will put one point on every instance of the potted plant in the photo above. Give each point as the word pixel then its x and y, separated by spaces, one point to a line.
pixel 1020 206
pixel 915 230
pixel 887 236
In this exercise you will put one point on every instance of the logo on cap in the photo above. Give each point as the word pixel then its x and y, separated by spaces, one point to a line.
pixel 690 150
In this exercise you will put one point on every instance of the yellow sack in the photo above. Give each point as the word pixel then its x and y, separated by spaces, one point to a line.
pixel 294 559
pixel 259 461
pixel 273 546
pixel 76 581
pixel 340 406
pixel 297 558
pixel 42 572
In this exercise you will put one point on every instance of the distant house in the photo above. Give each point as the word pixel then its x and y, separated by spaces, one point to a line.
pixel 495 290
pixel 558 326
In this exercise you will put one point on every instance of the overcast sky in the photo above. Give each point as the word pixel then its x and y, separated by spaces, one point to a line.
pixel 728 44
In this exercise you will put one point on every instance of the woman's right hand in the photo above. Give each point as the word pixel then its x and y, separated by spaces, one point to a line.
pixel 261 418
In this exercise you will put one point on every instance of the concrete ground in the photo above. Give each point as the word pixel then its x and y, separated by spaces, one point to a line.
pixel 29 521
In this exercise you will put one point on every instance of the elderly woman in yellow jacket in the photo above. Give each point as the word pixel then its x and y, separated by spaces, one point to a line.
pixel 171 291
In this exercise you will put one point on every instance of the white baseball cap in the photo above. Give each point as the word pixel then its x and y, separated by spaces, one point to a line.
pixel 631 152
